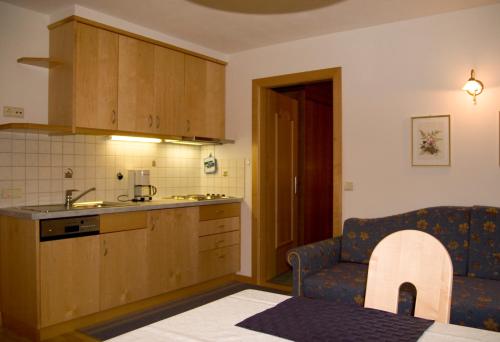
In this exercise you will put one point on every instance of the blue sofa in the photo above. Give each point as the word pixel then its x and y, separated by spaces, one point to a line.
pixel 336 269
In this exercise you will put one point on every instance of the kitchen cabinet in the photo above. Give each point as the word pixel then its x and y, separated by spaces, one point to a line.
pixel 136 86
pixel 83 88
pixel 69 279
pixel 172 249
pixel 108 79
pixel 168 90
pixel 219 240
pixel 204 113
pixel 124 269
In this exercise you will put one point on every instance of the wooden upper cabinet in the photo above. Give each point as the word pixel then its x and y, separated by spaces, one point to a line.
pixel 106 79
pixel 96 78
pixel 136 86
pixel 168 90
pixel 204 99
pixel 83 89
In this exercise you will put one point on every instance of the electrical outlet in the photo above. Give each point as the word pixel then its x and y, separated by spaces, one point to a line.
pixel 14 112
pixel 225 173
pixel 348 186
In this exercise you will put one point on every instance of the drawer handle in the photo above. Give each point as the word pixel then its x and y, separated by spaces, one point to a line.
pixel 221 226
pixel 220 242
pixel 219 211
pixel 222 256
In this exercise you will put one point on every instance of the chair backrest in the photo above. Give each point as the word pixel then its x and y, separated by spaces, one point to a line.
pixel 411 256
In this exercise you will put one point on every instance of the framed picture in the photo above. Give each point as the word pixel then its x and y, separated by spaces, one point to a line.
pixel 430 140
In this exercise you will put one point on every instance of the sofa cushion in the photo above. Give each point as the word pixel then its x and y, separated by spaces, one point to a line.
pixel 345 283
pixel 476 303
pixel 484 254
pixel 450 225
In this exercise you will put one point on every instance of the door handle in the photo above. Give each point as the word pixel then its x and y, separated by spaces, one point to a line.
pixel 295 185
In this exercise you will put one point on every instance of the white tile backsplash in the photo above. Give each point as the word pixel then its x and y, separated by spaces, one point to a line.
pixel 35 164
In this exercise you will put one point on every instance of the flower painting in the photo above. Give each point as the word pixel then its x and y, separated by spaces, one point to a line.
pixel 431 140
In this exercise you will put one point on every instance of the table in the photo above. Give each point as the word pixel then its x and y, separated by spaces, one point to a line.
pixel 216 322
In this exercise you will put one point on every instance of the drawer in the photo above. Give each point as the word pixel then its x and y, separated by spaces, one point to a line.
pixel 218 262
pixel 218 240
pixel 219 226
pixel 218 211
pixel 123 221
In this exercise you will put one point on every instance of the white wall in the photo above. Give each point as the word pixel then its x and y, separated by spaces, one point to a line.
pixel 23 33
pixel 391 73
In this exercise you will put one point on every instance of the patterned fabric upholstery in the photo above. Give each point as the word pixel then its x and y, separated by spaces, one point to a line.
pixel 450 225
pixel 309 259
pixel 345 283
pixel 318 272
pixel 484 255
pixel 476 303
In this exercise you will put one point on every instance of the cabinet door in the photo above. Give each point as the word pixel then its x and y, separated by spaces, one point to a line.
pixel 172 249
pixel 124 269
pixel 96 78
pixel 69 279
pixel 204 98
pixel 135 85
pixel 168 90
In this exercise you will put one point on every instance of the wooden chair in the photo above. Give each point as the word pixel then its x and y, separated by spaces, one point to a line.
pixel 411 256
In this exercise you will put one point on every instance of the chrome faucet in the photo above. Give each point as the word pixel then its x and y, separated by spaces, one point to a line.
pixel 69 200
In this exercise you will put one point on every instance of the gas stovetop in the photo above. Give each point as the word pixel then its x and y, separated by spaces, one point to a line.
pixel 197 197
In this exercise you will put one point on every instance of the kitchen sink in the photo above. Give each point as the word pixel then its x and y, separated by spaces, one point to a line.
pixel 76 206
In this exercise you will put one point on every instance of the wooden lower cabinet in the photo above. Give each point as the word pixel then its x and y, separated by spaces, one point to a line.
pixel 172 249
pixel 69 278
pixel 124 268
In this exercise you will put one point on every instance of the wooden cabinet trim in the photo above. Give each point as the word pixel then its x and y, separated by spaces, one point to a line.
pixel 133 35
pixel 123 221
pixel 218 211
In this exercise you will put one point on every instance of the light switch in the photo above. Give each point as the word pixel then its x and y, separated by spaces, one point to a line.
pixel 348 186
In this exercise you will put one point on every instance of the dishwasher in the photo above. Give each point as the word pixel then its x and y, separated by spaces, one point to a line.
pixel 68 227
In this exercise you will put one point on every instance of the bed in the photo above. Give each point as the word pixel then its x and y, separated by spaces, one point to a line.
pixel 216 322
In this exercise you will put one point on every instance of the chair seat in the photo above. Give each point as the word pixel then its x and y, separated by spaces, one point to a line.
pixel 476 303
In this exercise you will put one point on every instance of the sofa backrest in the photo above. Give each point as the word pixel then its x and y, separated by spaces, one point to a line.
pixel 450 225
pixel 484 250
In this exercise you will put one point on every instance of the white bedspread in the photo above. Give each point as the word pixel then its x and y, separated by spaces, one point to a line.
pixel 216 322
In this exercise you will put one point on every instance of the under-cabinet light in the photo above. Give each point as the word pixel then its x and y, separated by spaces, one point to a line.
pixel 183 142
pixel 134 139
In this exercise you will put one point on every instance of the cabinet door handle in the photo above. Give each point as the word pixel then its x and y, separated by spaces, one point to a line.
pixel 113 116
pixel 105 251
pixel 157 121
pixel 188 124
pixel 150 120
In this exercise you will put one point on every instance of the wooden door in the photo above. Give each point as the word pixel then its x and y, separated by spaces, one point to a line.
pixel 96 77
pixel 204 99
pixel 168 90
pixel 136 85
pixel 124 268
pixel 280 177
pixel 172 249
pixel 69 279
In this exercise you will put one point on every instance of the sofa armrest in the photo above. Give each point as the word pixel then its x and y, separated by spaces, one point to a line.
pixel 311 258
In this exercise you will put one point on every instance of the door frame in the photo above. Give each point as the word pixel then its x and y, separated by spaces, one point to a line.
pixel 259 191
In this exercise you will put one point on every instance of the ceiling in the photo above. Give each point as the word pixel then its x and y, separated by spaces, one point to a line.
pixel 230 26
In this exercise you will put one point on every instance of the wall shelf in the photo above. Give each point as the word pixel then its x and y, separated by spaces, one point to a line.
pixel 43 62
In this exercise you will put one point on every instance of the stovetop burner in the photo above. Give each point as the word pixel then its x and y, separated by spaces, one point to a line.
pixel 197 197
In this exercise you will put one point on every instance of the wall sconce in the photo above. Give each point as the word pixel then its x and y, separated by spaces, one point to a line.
pixel 473 87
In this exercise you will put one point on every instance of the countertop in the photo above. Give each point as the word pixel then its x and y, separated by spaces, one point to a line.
pixel 138 206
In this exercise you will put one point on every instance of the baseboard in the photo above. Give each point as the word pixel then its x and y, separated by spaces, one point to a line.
pixel 245 279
